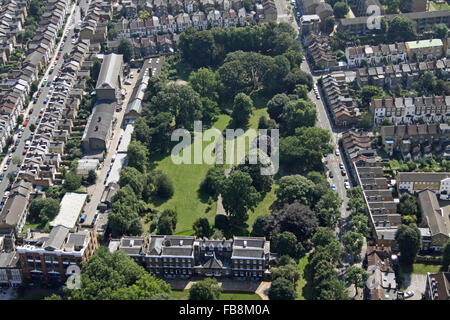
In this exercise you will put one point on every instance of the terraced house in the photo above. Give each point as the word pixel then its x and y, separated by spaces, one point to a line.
pixel 187 256
pixel 408 110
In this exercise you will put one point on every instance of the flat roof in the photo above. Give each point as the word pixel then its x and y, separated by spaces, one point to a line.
pixel 424 43
pixel 120 161
pixel 70 209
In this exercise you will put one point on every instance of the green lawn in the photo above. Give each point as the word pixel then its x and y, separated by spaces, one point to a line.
pixel 263 207
pixel 302 281
pixel 187 201
pixel 422 268
pixel 440 6
pixel 184 295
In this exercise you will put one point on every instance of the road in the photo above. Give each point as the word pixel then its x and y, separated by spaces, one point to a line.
pixel 284 13
pixel 33 109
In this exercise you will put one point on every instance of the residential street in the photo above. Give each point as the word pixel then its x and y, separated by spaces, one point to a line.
pixel 332 163
pixel 34 108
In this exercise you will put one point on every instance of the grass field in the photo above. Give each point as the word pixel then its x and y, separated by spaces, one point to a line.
pixel 301 282
pixel 263 207
pixel 440 6
pixel 184 295
pixel 422 268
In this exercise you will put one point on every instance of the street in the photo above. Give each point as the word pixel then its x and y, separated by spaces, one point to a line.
pixel 32 111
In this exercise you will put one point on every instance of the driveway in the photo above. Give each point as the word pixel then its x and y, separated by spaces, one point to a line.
pixel 416 283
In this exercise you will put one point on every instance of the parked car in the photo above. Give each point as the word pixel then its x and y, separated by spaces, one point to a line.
pixel 25 123
pixel 347 185
pixel 82 218
pixel 333 187
pixel 409 294
pixel 341 166
pixel 5 168
pixel 337 152
pixel 343 173
pixel 46 100
pixel 331 174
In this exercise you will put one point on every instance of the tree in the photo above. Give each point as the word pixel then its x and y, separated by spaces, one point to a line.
pixel 408 206
pixel 95 70
pixel 32 127
pixel 137 155
pixel 360 223
pixel 163 185
pixel 357 276
pixel 202 228
pixel 288 271
pixel 446 256
pixel 370 92
pixel 242 110
pixel 440 31
pixel 197 47
pixel 206 83
pixel 213 181
pixel 183 103
pixel 322 237
pixel 114 276
pixel 126 49
pixel 353 243
pixel 72 181
pixel 286 243
pixel 239 196
pixel 329 24
pixel 167 222
pixel 294 188
pixel 340 9
pixel 43 210
pixel 392 6
pixel 409 241
pixel 298 113
pixel 328 209
pixel 135 179
pixel 92 177
pixel 296 218
pixel 297 77
pixel 124 217
pixel 207 289
pixel 276 105
pixel 261 182
pixel 282 289
pixel 402 28
pixel 262 226
pixel 332 290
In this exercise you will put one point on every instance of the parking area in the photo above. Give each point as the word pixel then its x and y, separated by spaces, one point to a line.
pixel 416 283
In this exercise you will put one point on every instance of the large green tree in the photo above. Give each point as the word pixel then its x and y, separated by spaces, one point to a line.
pixel 356 276
pixel 207 289
pixel 353 243
pixel 126 48
pixel 242 110
pixel 409 241
pixel 239 196
pixel 282 289
pixel 115 276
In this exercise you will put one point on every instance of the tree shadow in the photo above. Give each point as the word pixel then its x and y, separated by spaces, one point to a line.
pixel 308 290
pixel 157 201
pixel 203 196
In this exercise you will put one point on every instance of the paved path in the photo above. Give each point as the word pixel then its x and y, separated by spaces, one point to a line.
pixel 220 208
pixel 416 283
